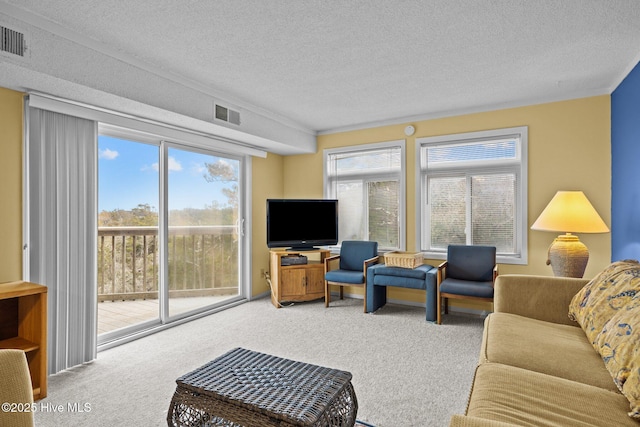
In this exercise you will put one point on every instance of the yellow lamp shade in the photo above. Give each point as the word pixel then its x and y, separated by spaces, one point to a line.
pixel 570 212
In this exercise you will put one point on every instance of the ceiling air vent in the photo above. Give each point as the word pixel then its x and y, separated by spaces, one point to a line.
pixel 12 41
pixel 227 115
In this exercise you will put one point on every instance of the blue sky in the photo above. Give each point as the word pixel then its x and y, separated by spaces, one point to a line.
pixel 128 176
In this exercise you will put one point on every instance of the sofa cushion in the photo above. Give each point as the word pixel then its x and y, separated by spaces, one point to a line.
pixel 597 302
pixel 619 346
pixel 467 421
pixel 527 398
pixel 545 347
pixel 15 388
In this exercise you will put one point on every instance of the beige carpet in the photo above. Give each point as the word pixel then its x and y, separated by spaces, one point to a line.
pixel 406 371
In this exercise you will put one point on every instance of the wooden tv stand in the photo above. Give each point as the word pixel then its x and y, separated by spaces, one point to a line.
pixel 23 326
pixel 298 282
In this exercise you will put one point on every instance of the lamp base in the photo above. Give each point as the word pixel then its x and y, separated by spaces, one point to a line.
pixel 568 256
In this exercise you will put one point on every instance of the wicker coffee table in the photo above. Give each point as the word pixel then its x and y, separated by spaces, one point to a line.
pixel 247 388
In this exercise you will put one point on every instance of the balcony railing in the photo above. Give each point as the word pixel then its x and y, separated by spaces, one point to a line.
pixel 203 261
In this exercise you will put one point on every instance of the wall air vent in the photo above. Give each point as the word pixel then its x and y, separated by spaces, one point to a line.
pixel 12 41
pixel 227 114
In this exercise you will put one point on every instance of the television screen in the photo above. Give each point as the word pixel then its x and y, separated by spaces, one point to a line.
pixel 301 224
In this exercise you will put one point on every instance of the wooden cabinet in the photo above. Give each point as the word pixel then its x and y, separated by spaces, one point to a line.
pixel 23 325
pixel 298 282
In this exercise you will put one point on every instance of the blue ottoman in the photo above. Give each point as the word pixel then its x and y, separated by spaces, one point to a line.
pixel 379 276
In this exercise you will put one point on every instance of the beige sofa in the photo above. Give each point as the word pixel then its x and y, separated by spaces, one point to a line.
pixel 16 394
pixel 537 367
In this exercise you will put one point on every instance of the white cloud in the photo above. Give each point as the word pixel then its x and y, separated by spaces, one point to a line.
pixel 108 154
pixel 174 165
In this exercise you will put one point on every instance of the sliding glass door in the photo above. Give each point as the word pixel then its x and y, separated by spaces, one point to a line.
pixel 169 232
pixel 128 265
pixel 203 224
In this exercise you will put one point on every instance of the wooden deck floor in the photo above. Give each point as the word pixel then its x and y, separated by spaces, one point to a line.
pixel 114 315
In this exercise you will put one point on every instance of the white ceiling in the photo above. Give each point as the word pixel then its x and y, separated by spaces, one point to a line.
pixel 331 65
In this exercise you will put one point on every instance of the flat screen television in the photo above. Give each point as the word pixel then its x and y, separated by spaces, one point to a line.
pixel 301 224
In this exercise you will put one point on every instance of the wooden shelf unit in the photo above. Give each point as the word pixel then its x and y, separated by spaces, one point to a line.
pixel 23 326
pixel 299 282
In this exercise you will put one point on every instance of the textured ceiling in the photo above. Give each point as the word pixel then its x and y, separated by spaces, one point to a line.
pixel 333 64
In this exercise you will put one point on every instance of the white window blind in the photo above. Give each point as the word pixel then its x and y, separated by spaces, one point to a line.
pixel 370 187
pixel 473 191
pixel 61 231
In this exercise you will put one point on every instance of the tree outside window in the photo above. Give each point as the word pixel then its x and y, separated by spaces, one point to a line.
pixel 369 183
pixel 473 192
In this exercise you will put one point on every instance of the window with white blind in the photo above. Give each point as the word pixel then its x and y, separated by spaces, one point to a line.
pixel 369 183
pixel 473 190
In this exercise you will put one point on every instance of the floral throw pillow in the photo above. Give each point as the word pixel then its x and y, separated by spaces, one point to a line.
pixel 619 346
pixel 598 301
pixel 608 310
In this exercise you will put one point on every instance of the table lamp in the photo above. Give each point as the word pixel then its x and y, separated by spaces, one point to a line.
pixel 569 212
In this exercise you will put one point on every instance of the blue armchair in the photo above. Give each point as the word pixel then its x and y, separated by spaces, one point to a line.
pixel 350 267
pixel 468 273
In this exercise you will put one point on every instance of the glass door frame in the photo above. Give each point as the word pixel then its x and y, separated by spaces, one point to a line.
pixel 163 232
pixel 164 319
pixel 127 333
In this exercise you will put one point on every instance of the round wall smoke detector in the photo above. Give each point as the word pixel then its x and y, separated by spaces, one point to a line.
pixel 409 130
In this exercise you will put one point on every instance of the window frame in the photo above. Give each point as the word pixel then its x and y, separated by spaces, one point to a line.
pixel 329 190
pixel 517 165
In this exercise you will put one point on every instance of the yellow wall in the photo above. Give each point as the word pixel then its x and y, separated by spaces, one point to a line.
pixel 569 149
pixel 267 183
pixel 10 185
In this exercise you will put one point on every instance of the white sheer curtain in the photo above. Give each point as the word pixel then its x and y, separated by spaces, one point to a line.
pixel 61 230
